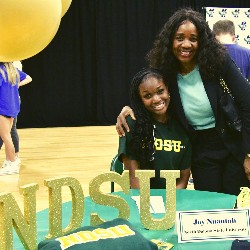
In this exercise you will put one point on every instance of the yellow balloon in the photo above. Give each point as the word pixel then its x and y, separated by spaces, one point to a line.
pixel 27 27
pixel 65 6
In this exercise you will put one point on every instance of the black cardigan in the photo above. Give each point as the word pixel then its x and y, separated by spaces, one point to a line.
pixel 237 143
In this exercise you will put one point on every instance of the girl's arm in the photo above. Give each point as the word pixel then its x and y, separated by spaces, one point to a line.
pixel 181 183
pixel 131 165
pixel 27 80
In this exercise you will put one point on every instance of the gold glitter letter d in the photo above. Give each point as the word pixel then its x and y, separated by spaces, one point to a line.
pixel 55 205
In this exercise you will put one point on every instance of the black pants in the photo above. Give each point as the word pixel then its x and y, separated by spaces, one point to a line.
pixel 214 168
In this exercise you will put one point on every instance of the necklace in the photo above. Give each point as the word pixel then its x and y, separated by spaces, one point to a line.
pixel 152 157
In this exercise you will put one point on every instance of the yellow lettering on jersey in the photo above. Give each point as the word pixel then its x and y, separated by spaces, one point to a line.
pixel 168 145
pixel 122 230
pixel 103 233
pixel 87 236
pixel 177 145
pixel 158 144
pixel 95 235
pixel 69 240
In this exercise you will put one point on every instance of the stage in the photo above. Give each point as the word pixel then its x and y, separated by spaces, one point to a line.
pixel 78 152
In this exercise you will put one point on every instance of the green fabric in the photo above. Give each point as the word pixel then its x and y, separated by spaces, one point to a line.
pixel 118 234
pixel 186 200
pixel 172 148
pixel 194 100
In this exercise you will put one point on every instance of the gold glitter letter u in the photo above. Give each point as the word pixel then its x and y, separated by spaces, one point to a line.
pixel 146 219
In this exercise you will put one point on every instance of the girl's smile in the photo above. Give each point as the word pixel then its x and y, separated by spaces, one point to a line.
pixel 155 97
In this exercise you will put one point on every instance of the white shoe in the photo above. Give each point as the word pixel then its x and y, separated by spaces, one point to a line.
pixel 5 164
pixel 11 167
pixel 18 160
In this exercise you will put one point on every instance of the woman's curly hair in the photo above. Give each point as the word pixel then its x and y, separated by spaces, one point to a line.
pixel 210 54
pixel 143 138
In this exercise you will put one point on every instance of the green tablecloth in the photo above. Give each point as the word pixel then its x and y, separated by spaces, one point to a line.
pixel 185 200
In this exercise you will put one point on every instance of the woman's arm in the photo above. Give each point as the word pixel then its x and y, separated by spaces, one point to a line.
pixel 181 183
pixel 131 165
pixel 240 89
pixel 121 123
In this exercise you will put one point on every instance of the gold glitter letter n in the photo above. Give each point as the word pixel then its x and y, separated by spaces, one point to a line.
pixel 10 213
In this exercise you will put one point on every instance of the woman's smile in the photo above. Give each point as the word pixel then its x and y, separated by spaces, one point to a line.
pixel 185 45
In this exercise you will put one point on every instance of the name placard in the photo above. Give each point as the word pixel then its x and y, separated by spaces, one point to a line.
pixel 207 225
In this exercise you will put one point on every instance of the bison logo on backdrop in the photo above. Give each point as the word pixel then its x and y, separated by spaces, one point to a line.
pixel 210 12
pixel 223 12
pixel 237 38
pixel 247 13
pixel 247 39
pixel 243 25
pixel 236 13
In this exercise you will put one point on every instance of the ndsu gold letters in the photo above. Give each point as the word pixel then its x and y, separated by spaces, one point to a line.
pixel 25 224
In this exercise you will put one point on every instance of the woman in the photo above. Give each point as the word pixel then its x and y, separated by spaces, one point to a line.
pixel 9 109
pixel 156 141
pixel 187 50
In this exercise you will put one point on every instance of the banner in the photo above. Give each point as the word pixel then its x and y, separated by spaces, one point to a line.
pixel 240 17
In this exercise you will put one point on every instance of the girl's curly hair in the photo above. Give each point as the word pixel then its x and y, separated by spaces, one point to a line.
pixel 143 139
pixel 210 53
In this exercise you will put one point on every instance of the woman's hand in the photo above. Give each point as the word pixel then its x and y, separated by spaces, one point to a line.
pixel 121 123
pixel 246 165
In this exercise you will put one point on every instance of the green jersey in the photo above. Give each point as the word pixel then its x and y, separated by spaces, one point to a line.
pixel 114 234
pixel 172 148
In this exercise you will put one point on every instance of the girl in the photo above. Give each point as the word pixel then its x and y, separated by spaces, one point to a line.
pixel 9 109
pixel 156 141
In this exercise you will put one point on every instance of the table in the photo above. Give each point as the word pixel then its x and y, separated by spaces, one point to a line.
pixel 185 200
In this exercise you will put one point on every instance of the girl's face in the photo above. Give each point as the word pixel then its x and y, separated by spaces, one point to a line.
pixel 155 97
pixel 185 44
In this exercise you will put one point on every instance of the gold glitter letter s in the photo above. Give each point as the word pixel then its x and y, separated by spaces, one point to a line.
pixel 109 199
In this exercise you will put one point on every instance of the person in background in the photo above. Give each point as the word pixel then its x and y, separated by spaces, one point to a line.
pixel 10 79
pixel 156 140
pixel 13 132
pixel 187 51
pixel 224 31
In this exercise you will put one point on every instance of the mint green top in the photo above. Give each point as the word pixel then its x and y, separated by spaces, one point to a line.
pixel 194 100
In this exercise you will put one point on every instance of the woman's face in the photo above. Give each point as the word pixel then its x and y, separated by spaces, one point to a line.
pixel 155 97
pixel 185 44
